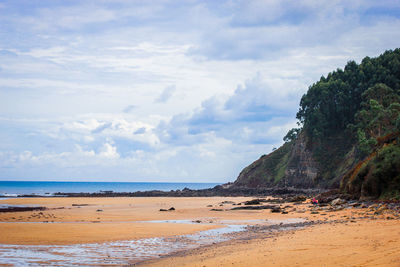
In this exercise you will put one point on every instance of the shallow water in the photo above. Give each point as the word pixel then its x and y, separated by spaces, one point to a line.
pixel 126 252
pixel 111 253
pixel 4 206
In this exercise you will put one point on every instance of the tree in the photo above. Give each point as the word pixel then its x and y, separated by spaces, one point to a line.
pixel 378 116
pixel 291 135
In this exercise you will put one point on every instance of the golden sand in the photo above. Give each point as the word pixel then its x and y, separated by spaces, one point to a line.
pixel 358 242
pixel 366 243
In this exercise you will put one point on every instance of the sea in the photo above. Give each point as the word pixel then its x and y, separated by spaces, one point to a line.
pixel 15 188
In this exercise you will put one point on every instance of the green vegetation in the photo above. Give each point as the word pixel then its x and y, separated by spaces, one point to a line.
pixel 351 129
pixel 356 109
pixel 269 169
pixel 330 105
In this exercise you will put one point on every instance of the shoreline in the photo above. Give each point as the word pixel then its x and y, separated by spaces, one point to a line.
pixel 359 243
pixel 124 221
pixel 226 190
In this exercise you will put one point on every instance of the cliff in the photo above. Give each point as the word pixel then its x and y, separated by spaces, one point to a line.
pixel 349 138
pixel 290 165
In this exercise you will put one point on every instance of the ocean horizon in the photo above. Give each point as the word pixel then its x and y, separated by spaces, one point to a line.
pixel 14 188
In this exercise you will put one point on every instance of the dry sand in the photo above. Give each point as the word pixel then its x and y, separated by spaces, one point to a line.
pixel 359 241
pixel 366 243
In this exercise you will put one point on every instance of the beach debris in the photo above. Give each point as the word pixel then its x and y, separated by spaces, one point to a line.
pixel 170 209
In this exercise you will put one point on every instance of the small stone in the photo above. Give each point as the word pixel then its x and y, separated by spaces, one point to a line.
pixel 276 210
pixel 216 210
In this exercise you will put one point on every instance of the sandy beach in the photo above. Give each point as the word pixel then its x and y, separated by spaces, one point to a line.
pixel 351 236
pixel 366 243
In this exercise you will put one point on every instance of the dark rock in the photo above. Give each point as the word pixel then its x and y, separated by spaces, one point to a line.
pixel 263 207
pixel 254 201
pixel 232 191
pixel 331 195
pixel 338 201
pixel 19 208
pixel 172 208
pixel 99 210
pixel 276 210
pixel 228 202
pixel 216 210
pixel 299 198
pixel 163 210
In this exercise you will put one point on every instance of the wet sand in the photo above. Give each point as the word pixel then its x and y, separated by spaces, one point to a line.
pixel 351 236
pixel 89 220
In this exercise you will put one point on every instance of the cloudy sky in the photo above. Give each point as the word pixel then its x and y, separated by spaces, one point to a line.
pixel 180 91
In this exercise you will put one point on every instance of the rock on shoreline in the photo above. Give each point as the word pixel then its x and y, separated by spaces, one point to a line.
pixel 217 191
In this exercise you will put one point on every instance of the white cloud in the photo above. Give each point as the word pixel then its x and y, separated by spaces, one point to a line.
pixel 109 151
pixel 167 90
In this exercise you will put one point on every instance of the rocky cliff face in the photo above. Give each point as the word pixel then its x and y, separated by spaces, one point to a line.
pixel 290 165
pixel 302 169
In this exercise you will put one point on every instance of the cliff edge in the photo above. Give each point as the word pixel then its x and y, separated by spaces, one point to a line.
pixel 349 139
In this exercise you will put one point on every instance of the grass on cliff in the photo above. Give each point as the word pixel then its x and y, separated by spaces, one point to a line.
pixel 380 176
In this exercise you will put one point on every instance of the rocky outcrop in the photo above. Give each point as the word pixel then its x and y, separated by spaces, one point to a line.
pixel 292 165
pixel 301 170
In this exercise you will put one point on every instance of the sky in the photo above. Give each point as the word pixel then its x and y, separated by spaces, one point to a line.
pixel 167 91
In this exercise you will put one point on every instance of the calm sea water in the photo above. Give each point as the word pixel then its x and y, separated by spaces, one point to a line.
pixel 11 188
